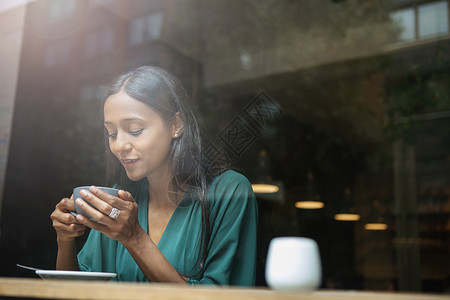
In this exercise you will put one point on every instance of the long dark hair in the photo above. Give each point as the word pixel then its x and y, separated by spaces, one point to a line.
pixel 163 92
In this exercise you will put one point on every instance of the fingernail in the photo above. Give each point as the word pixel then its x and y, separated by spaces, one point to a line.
pixel 79 202
pixel 93 189
pixel 83 193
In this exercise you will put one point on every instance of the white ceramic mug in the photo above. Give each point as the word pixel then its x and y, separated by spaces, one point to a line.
pixel 293 263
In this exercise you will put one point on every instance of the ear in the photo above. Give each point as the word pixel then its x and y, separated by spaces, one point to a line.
pixel 177 126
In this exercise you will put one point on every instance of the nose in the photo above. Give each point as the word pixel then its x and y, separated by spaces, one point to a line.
pixel 121 144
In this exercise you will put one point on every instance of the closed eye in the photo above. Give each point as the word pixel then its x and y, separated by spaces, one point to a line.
pixel 112 136
pixel 136 132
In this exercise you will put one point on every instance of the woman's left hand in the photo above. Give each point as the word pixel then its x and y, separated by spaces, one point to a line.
pixel 123 228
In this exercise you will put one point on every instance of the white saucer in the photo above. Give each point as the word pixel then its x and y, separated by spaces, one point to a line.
pixel 75 275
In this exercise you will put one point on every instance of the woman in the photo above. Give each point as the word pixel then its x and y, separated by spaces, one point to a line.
pixel 174 220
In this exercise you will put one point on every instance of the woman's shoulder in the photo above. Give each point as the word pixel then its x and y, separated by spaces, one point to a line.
pixel 229 187
pixel 231 178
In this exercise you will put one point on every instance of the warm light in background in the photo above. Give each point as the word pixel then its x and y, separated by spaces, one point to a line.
pixel 375 226
pixel 262 188
pixel 348 214
pixel 314 202
pixel 309 204
pixel 346 217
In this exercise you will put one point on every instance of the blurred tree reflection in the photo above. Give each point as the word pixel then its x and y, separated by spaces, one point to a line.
pixel 421 89
pixel 257 38
pixel 292 38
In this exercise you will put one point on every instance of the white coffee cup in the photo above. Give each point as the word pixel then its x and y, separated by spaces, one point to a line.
pixel 293 263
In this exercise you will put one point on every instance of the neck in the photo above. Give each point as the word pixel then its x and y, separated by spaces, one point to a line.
pixel 160 190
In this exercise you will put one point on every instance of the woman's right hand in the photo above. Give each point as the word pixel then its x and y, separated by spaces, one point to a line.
pixel 66 225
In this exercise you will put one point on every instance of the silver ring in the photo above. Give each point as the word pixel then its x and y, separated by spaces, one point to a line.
pixel 114 213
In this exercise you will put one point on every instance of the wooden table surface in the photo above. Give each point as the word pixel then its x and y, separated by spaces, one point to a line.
pixel 62 289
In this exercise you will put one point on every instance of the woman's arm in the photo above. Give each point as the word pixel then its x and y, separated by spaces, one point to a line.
pixel 127 230
pixel 67 256
pixel 232 248
pixel 151 261
pixel 67 229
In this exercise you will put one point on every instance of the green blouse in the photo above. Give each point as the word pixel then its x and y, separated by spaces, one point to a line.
pixel 231 251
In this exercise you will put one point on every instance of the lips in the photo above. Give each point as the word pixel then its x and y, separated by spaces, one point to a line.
pixel 128 162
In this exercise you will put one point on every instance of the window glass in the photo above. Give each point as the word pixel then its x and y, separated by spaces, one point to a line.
pixel 106 40
pixel 91 92
pixel 433 19
pixel 96 3
pixel 90 44
pixel 145 28
pixel 60 8
pixel 49 56
pixel 154 23
pixel 87 92
pixel 57 53
pixel 405 20
pixel 99 41
pixel 337 111
pixel 136 32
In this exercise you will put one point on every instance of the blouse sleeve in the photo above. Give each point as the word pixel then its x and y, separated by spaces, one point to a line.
pixel 231 258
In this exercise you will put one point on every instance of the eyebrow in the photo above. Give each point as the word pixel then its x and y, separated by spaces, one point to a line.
pixel 126 120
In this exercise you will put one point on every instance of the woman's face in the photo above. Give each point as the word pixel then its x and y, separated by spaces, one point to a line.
pixel 138 136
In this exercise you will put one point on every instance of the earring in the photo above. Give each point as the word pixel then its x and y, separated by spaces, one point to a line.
pixel 176 135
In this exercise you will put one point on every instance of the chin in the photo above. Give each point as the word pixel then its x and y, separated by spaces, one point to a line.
pixel 134 177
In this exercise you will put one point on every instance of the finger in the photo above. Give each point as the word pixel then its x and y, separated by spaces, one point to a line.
pixel 124 195
pixel 68 229
pixel 99 204
pixel 102 200
pixel 67 218
pixel 114 230
pixel 96 214
pixel 91 224
pixel 101 194
pixel 63 217
pixel 70 233
pixel 66 204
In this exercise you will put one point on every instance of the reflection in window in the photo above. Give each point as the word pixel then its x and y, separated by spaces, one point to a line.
pixel 89 92
pixel 95 3
pixel 404 19
pixel 433 19
pixel 58 101
pixel 246 60
pixel 145 28
pixel 59 9
pixel 98 42
pixel 360 118
pixel 57 53
pixel 429 19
